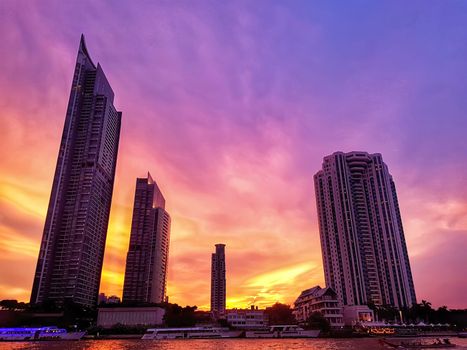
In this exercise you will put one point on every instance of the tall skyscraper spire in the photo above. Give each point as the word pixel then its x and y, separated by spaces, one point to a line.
pixel 362 240
pixel 148 253
pixel 72 248
pixel 218 283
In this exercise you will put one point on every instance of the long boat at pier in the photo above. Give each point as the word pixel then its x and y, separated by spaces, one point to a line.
pixel 418 344
pixel 190 333
pixel 283 331
pixel 38 333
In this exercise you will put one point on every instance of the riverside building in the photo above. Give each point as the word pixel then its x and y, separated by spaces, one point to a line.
pixel 218 283
pixel 72 248
pixel 322 300
pixel 362 239
pixel 148 252
pixel 252 318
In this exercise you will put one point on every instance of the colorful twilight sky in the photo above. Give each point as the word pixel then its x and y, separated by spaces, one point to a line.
pixel 232 106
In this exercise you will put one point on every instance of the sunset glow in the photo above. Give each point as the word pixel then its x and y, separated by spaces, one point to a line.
pixel 232 112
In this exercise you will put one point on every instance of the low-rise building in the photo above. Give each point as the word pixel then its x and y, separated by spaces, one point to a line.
pixel 252 318
pixel 357 314
pixel 113 299
pixel 322 300
pixel 130 316
pixel 104 299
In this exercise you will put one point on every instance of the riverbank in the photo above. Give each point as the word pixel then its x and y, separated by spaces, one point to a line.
pixel 208 344
pixel 328 336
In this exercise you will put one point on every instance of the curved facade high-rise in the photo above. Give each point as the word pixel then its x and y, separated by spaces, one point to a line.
pixel 72 248
pixel 362 239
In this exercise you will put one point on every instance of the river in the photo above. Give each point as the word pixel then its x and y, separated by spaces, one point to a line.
pixel 215 344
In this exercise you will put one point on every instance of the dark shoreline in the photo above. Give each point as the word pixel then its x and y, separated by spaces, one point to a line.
pixel 138 336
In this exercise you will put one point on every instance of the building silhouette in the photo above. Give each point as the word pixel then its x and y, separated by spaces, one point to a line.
pixel 362 240
pixel 72 248
pixel 148 253
pixel 218 284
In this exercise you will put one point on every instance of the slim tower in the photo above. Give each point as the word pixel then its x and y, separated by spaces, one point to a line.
pixel 218 291
pixel 362 240
pixel 148 253
pixel 72 248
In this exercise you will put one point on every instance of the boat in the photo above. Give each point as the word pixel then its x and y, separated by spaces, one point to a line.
pixel 283 331
pixel 38 333
pixel 417 344
pixel 190 333
pixel 462 334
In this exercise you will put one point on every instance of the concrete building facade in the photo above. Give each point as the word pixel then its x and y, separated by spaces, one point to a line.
pixel 130 316
pixel 72 247
pixel 322 300
pixel 362 239
pixel 251 318
pixel 358 314
pixel 148 252
pixel 218 282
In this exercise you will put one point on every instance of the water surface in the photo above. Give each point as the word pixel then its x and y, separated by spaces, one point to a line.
pixel 209 344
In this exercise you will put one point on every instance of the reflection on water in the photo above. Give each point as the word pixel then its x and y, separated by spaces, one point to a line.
pixel 227 344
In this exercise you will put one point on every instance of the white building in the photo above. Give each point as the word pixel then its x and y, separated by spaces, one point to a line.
pixel 322 300
pixel 247 318
pixel 358 314
pixel 130 316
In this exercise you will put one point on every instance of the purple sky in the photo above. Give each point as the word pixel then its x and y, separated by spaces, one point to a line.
pixel 231 106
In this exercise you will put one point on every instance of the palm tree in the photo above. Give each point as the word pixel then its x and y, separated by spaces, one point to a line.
pixel 425 310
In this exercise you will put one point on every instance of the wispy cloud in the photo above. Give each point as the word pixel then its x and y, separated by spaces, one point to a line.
pixel 232 106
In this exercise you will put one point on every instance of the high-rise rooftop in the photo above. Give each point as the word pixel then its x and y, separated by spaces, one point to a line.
pixel 148 252
pixel 362 239
pixel 218 282
pixel 72 248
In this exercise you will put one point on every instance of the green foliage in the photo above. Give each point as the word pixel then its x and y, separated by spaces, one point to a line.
pixel 123 329
pixel 386 312
pixel 130 304
pixel 223 323
pixel 68 314
pixel 118 329
pixel 12 304
pixel 177 316
pixel 422 311
pixel 203 317
pixel 280 314
pixel 317 321
pixel 46 306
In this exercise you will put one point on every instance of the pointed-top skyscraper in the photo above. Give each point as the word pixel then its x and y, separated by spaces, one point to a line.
pixel 72 248
pixel 148 253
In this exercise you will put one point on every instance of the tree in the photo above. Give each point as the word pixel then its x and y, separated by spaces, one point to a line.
pixel 280 314
pixel 177 316
pixel 387 313
pixel 317 321
pixel 426 310
pixel 422 311
pixel 441 315
pixel 9 304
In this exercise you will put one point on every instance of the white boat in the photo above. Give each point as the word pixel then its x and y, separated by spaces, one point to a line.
pixel 283 331
pixel 190 333
pixel 38 333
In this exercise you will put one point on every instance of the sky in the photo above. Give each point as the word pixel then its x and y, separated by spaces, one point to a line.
pixel 232 106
